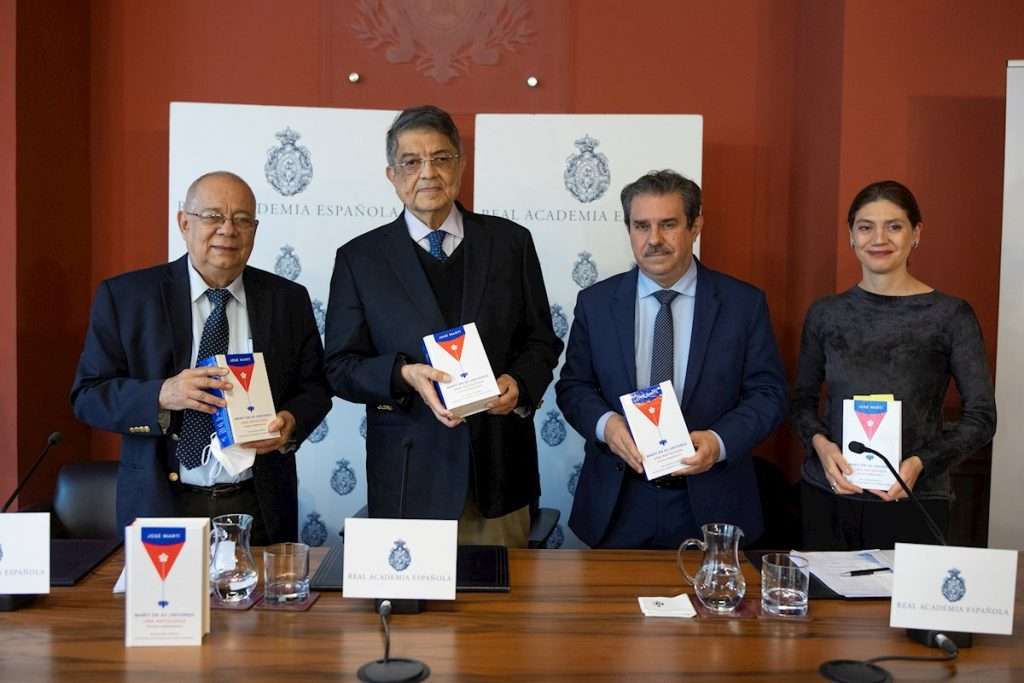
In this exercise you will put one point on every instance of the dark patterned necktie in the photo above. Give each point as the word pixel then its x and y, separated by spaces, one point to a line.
pixel 196 427
pixel 662 354
pixel 436 238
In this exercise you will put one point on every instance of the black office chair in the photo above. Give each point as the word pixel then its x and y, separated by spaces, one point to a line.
pixel 84 502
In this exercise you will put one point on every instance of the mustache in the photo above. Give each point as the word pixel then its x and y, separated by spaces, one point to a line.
pixel 657 251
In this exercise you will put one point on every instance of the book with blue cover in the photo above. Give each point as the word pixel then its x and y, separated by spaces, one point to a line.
pixel 250 403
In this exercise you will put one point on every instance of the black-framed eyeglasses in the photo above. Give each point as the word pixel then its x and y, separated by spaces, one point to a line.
pixel 214 219
pixel 440 162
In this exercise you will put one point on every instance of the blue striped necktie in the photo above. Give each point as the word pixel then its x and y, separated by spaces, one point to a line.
pixel 662 350
pixel 436 238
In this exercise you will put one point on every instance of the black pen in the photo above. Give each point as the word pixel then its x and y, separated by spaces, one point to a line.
pixel 866 572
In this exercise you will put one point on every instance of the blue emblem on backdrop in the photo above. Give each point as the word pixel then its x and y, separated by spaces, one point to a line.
pixel 953 586
pixel 318 434
pixel 289 167
pixel 553 431
pixel 1 552
pixel 399 557
pixel 574 478
pixel 557 538
pixel 362 427
pixel 320 315
pixel 558 321
pixel 584 271
pixel 343 480
pixel 314 532
pixel 287 263
pixel 586 173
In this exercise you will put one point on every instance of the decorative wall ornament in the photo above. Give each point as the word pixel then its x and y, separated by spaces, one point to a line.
pixel 443 38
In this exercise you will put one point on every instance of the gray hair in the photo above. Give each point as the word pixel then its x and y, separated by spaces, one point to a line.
pixel 426 117
pixel 662 183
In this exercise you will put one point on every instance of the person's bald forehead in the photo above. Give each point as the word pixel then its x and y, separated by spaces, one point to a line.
pixel 217 176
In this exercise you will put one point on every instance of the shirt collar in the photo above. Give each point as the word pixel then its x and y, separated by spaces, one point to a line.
pixel 418 230
pixel 686 285
pixel 198 286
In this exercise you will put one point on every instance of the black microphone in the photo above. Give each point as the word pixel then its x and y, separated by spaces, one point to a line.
pixel 406 448
pixel 388 670
pixel 858 447
pixel 54 439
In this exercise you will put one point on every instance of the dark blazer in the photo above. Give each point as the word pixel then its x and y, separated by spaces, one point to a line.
pixel 381 306
pixel 734 385
pixel 140 333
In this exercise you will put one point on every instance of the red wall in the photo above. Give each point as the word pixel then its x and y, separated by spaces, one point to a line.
pixel 8 234
pixel 804 102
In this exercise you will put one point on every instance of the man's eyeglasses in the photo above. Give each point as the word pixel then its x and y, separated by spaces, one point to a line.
pixel 440 162
pixel 212 219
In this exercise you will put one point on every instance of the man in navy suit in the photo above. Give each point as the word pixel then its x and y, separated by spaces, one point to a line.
pixel 137 373
pixel 670 318
pixel 438 266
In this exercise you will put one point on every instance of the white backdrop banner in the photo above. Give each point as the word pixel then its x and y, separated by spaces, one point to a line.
pixel 560 176
pixel 318 175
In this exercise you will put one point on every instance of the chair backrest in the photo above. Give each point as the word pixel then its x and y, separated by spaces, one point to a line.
pixel 85 500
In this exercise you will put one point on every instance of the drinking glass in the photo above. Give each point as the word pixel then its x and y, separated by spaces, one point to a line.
pixel 784 582
pixel 286 573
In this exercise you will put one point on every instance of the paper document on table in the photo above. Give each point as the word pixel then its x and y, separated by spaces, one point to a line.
pixel 833 569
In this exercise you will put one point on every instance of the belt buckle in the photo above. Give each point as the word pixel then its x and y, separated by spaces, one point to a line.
pixel 221 490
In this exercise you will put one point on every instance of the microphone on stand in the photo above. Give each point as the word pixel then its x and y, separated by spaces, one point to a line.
pixel 853 671
pixel 390 670
pixel 11 602
pixel 403 605
pixel 54 439
pixel 858 447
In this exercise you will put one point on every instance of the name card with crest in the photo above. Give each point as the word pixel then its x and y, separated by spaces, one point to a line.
pixel 953 588
pixel 400 558
pixel 658 428
pixel 24 553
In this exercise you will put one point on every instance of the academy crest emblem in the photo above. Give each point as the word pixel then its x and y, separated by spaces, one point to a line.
pixel 287 264
pixel 1 552
pixel 399 558
pixel 584 271
pixel 314 532
pixel 574 479
pixel 558 321
pixel 553 430
pixel 953 586
pixel 343 479
pixel 318 434
pixel 586 173
pixel 320 315
pixel 362 427
pixel 289 167
pixel 557 538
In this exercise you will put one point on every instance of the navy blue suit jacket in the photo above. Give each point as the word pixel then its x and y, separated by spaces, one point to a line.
pixel 734 385
pixel 140 333
pixel 382 305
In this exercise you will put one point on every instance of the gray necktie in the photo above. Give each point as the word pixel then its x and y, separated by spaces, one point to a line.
pixel 662 354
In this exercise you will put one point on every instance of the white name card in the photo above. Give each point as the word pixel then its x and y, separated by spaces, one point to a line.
pixel 658 428
pixel 167 569
pixel 25 553
pixel 952 588
pixel 400 558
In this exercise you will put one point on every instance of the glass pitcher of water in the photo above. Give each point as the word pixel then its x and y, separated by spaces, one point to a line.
pixel 233 574
pixel 719 582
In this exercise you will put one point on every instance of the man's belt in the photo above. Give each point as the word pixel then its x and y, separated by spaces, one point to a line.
pixel 220 490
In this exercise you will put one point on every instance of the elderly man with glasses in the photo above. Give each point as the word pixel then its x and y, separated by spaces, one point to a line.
pixel 137 375
pixel 438 266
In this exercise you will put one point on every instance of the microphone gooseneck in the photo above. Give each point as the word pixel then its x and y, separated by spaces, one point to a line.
pixel 51 441
pixel 858 447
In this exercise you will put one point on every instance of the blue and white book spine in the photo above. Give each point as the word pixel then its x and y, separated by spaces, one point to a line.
pixel 250 403
pixel 460 353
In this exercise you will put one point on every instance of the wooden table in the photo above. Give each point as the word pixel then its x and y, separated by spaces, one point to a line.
pixel 571 615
